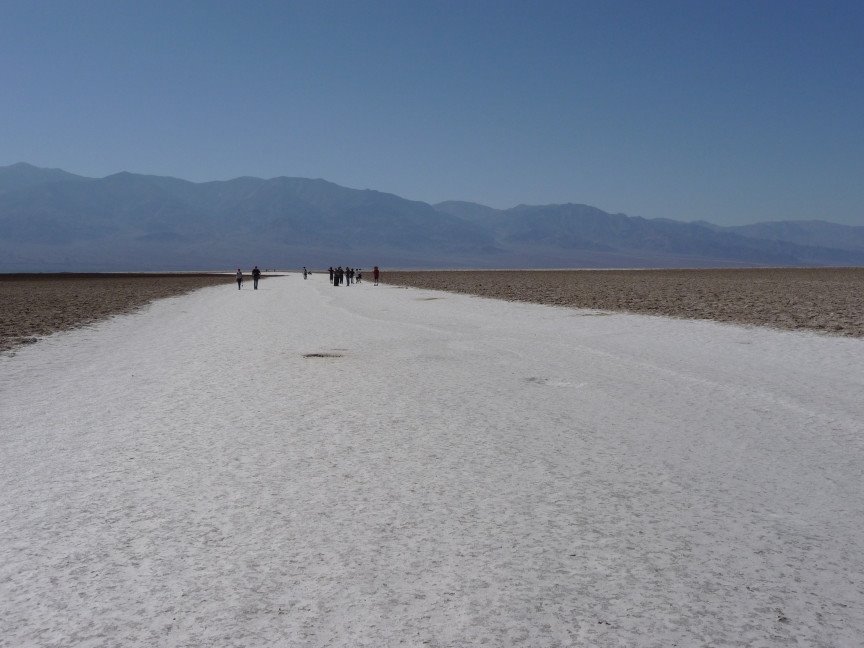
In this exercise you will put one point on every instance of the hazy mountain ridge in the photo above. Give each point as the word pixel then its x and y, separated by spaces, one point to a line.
pixel 54 220
pixel 816 232
pixel 585 227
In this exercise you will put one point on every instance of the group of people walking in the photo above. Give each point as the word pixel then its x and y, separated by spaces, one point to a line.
pixel 256 275
pixel 338 276
pixel 345 276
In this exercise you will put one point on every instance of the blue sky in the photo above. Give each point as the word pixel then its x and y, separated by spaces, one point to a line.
pixel 732 112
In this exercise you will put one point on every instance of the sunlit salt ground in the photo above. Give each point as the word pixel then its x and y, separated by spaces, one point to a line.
pixel 465 472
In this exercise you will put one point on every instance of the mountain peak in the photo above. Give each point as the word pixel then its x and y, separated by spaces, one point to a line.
pixel 21 175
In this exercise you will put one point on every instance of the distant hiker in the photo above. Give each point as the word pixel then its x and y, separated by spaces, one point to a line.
pixel 359 275
pixel 239 277
pixel 375 275
pixel 305 272
pixel 256 275
pixel 331 274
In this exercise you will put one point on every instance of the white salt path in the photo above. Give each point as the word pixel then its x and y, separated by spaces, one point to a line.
pixel 468 472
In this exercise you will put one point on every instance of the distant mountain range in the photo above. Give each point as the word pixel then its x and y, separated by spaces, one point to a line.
pixel 52 220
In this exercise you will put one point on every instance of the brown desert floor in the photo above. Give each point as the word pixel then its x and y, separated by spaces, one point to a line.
pixel 818 299
pixel 33 305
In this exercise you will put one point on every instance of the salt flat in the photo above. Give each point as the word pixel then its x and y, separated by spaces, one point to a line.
pixel 463 472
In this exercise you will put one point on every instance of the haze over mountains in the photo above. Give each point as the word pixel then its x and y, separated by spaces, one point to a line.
pixel 52 220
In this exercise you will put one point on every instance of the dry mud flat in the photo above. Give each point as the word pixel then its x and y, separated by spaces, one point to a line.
pixel 818 299
pixel 33 305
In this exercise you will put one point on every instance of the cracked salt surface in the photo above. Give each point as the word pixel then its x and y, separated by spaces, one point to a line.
pixel 469 472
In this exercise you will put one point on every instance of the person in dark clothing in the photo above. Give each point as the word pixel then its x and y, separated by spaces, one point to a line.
pixel 305 272
pixel 239 277
pixel 256 275
pixel 375 275
pixel 331 274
